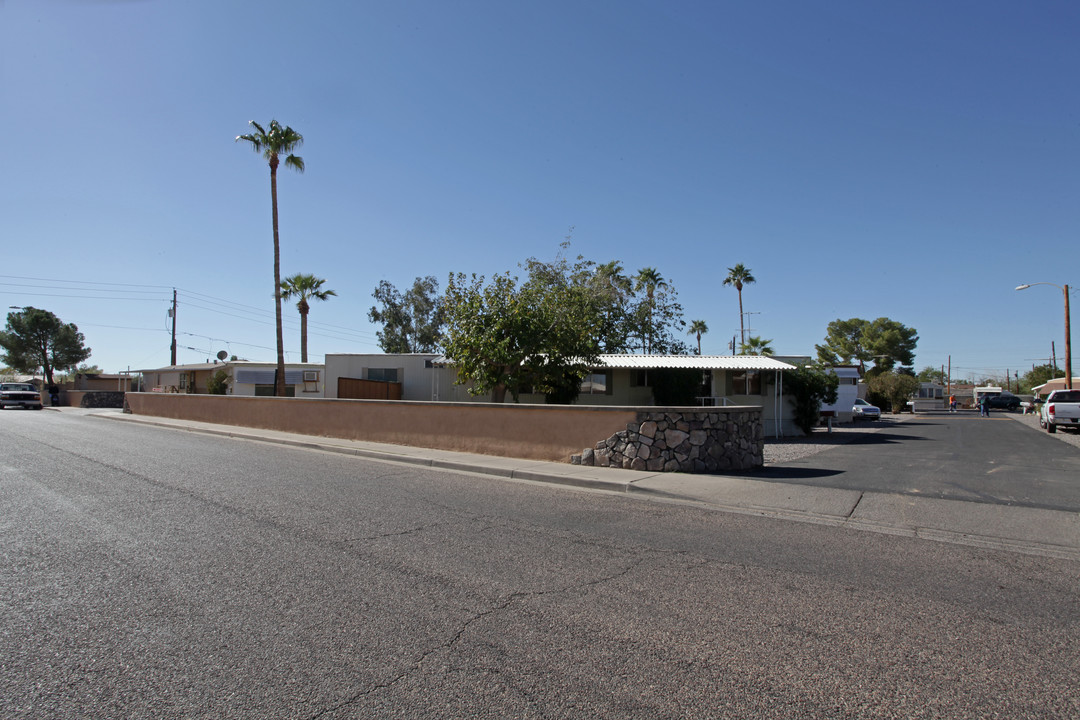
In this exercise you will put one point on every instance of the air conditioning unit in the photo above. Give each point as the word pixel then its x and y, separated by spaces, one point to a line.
pixel 311 376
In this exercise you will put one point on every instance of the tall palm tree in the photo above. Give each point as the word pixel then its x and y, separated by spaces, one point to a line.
pixel 698 328
pixel 740 276
pixel 650 280
pixel 273 144
pixel 305 287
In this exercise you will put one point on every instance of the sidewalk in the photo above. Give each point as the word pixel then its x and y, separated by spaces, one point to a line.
pixel 1051 533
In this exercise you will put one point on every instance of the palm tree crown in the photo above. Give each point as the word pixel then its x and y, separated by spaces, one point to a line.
pixel 304 287
pixel 273 144
pixel 755 345
pixel 740 276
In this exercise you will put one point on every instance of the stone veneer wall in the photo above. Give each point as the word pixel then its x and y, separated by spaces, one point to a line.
pixel 710 440
pixel 92 398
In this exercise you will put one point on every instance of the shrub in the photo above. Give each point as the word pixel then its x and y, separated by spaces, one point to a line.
pixel 810 386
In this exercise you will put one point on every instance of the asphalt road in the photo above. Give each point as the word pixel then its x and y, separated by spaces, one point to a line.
pixel 149 573
pixel 957 456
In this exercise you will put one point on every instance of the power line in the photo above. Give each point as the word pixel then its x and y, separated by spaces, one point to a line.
pixel 85 282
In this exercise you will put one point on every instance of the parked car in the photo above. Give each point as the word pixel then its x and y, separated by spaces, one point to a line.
pixel 1061 409
pixel 1004 401
pixel 22 395
pixel 863 409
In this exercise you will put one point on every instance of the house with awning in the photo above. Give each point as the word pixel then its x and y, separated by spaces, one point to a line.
pixel 617 380
pixel 243 378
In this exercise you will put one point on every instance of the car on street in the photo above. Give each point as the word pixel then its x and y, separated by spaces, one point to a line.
pixel 865 410
pixel 22 395
pixel 1004 401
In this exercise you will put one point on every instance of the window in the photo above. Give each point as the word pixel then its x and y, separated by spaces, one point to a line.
pixel 639 378
pixel 597 383
pixel 268 391
pixel 383 374
pixel 746 382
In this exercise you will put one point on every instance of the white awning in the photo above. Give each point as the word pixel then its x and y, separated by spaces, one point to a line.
pixel 696 362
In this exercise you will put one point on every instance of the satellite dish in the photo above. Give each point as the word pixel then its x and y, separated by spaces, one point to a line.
pixel 222 355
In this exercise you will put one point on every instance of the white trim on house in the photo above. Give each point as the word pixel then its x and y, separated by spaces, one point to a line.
pixel 695 362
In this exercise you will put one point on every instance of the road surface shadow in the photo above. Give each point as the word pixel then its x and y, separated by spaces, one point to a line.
pixel 784 472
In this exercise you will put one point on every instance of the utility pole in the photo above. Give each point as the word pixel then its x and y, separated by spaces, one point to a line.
pixel 172 314
pixel 1068 344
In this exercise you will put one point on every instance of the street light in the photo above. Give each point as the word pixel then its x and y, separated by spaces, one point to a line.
pixel 1068 341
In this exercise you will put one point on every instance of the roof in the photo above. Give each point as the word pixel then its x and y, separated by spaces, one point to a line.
pixel 230 363
pixel 696 362
pixel 1055 384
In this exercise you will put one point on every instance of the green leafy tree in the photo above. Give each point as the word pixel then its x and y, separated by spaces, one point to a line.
pixel 36 338
pixel 613 292
pixel 304 288
pixel 809 387
pixel 739 277
pixel 412 321
pixel 883 342
pixel 274 143
pixel 1038 375
pixel 697 329
pixel 541 334
pixel 894 387
pixel 504 336
pixel 755 345
pixel 660 322
pixel 929 374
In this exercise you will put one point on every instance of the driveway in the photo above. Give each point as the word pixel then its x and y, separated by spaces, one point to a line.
pixel 952 456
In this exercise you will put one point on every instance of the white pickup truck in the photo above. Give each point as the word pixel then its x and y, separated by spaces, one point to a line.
pixel 1061 409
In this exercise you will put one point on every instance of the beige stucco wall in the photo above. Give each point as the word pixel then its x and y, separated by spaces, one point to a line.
pixel 536 432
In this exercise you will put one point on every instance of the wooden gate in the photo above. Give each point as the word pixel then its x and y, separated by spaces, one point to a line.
pixel 357 389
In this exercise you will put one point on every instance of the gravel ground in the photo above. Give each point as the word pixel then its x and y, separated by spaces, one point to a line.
pixel 796 447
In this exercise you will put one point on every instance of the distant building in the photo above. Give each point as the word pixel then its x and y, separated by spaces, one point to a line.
pixel 244 378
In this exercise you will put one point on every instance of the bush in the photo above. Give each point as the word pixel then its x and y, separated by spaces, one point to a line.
pixel 218 383
pixel 896 388
pixel 810 386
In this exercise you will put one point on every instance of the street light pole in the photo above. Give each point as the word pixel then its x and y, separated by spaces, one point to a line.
pixel 1068 330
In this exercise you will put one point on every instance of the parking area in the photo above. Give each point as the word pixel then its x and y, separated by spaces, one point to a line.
pixel 1004 459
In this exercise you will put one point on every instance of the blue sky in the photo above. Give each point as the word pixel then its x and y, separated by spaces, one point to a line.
pixel 911 160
